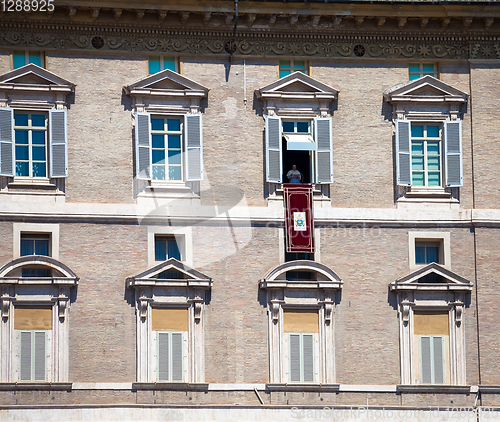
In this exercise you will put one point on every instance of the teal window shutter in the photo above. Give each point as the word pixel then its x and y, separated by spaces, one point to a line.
pixel 18 59
pixel 403 152
pixel 154 64
pixel 35 57
pixel 7 142
pixel 169 63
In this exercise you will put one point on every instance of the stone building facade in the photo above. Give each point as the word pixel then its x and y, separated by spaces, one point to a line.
pixel 143 267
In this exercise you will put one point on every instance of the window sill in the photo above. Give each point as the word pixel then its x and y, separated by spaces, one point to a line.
pixel 302 387
pixel 428 192
pixel 51 386
pixel 43 182
pixel 170 189
pixel 434 388
pixel 321 193
pixel 170 386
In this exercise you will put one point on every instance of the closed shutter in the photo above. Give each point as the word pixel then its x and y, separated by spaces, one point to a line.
pixel 25 361
pixel 403 152
pixel 163 357
pixel 294 357
pixel 274 165
pixel 143 146
pixel 58 143
pixel 438 357
pixel 453 153
pixel 39 356
pixel 7 142
pixel 194 147
pixel 324 153
pixel 177 357
pixel 432 364
pixel 308 357
pixel 425 359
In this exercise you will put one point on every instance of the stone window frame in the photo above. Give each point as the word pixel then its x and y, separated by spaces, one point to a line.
pixel 188 292
pixel 32 291
pixel 449 296
pixel 183 236
pixel 319 295
pixel 36 228
pixel 443 238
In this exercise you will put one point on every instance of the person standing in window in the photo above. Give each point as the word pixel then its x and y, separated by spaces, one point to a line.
pixel 294 176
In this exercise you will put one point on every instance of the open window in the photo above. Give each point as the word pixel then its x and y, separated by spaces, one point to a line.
pixel 431 305
pixel 298 128
pixel 170 300
pixel 34 330
pixel 301 323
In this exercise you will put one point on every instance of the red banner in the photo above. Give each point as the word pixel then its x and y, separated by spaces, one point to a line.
pixel 299 221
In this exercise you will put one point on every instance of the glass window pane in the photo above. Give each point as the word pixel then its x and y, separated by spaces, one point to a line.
pixel 20 119
pixel 22 153
pixel 417 163
pixel 417 148
pixel 303 127
pixel 169 63
pixel 158 172
pixel 419 254
pixel 38 120
pixel 173 250
pixel 160 250
pixel 417 131
pixel 412 77
pixel 174 141
pixel 38 153
pixel 433 131
pixel 42 247
pixel 433 163
pixel 434 179
pixel 433 148
pixel 431 254
pixel 417 179
pixel 299 65
pixel 158 156
pixel 287 126
pixel 428 68
pixel 35 57
pixel 283 73
pixel 154 64
pixel 21 137
pixel 174 173
pixel 27 247
pixel 174 125
pixel 22 169
pixel 174 157
pixel 38 137
pixel 39 170
pixel 284 64
pixel 18 59
pixel 157 124
pixel 414 67
pixel 158 141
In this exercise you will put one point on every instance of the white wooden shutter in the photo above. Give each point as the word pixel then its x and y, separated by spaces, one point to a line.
pixel 274 163
pixel 438 359
pixel 143 146
pixel 25 356
pixel 308 357
pixel 295 363
pixel 403 152
pixel 324 149
pixel 7 163
pixel 163 357
pixel 194 147
pixel 58 143
pixel 39 355
pixel 425 360
pixel 453 153
pixel 177 357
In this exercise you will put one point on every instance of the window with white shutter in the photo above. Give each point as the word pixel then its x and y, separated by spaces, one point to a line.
pixel 302 357
pixel 432 362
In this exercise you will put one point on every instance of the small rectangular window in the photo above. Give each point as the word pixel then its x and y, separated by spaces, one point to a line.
pixel 166 247
pixel 289 66
pixel 21 58
pixel 427 252
pixel 35 244
pixel 417 70
pixel 158 63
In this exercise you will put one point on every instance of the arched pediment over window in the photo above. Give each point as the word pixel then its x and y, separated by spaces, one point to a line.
pixel 56 272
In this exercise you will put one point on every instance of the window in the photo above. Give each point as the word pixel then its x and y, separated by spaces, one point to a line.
pixel 166 148
pixel 31 144
pixel 289 66
pixel 426 252
pixel 36 239
pixel 301 323
pixel 170 336
pixel 431 319
pixel 35 244
pixel 165 248
pixel 417 70
pixel 428 247
pixel 171 328
pixel 34 325
pixel 159 63
pixel 426 155
pixel 21 58
pixel 165 242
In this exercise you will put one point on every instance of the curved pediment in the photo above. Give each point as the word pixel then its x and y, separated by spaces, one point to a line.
pixel 297 85
pixel 426 89
pixel 170 273
pixel 423 279
pixel 166 83
pixel 32 77
pixel 320 276
pixel 59 273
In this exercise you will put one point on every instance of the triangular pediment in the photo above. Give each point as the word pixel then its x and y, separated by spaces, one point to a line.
pixel 171 272
pixel 299 84
pixel 166 83
pixel 432 277
pixel 426 88
pixel 34 76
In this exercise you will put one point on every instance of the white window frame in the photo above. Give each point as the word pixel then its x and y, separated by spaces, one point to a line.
pixel 177 62
pixel 165 133
pixel 443 238
pixel 444 358
pixel 307 67
pixel 183 236
pixel 425 141
pixel 34 228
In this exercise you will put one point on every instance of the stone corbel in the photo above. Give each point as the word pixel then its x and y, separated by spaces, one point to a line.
pixel 197 304
pixel 194 106
pixel 275 304
pixel 459 310
pixel 6 299
pixel 142 303
pixel 405 310
pixel 329 306
pixel 62 301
